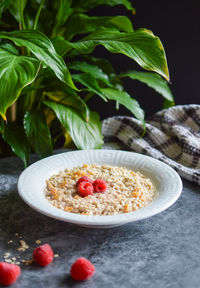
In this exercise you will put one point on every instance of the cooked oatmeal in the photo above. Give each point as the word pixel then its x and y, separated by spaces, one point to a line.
pixel 126 191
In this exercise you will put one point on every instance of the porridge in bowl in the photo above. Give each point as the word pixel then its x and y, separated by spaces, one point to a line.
pixel 94 189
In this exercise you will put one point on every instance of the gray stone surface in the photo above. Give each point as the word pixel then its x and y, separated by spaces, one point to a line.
pixel 159 252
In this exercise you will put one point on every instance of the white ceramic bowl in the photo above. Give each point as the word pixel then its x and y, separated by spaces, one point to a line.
pixel 31 184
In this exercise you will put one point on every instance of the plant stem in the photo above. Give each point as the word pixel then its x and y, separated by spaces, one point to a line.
pixel 22 15
pixel 13 110
pixel 38 15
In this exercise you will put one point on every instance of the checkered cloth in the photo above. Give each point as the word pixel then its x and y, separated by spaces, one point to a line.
pixel 172 136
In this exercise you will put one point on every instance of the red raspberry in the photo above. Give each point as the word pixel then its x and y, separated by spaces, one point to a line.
pixel 9 273
pixel 43 255
pixel 85 189
pixel 84 179
pixel 99 185
pixel 82 269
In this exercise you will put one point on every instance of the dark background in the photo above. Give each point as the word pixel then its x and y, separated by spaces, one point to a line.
pixel 177 24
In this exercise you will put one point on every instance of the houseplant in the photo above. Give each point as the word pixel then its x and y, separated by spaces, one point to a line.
pixel 48 75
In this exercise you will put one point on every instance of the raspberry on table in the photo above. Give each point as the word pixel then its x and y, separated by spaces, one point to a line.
pixel 84 179
pixel 43 255
pixel 9 273
pixel 99 186
pixel 85 189
pixel 82 269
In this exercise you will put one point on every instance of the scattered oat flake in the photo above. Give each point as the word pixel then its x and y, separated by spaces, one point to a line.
pixel 17 234
pixel 18 263
pixel 56 255
pixel 27 262
pixel 6 255
pixel 10 241
pixel 8 260
pixel 14 258
pixel 38 241
pixel 23 247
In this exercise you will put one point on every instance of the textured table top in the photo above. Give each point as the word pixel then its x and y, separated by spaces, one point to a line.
pixel 162 251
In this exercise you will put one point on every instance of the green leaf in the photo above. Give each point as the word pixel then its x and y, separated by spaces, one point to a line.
pixel 103 64
pixel 140 45
pixel 91 69
pixel 84 6
pixel 70 99
pixel 14 136
pixel 126 100
pixel 8 47
pixel 38 133
pixel 60 45
pixel 88 81
pixel 82 24
pixel 85 135
pixel 14 8
pixel 4 5
pixel 123 23
pixel 152 80
pixel 63 13
pixel 43 49
pixel 16 73
pixel 168 104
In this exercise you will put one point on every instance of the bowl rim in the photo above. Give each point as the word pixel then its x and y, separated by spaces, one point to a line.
pixel 98 220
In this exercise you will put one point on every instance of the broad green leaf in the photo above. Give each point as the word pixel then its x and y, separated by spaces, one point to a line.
pixel 43 49
pixel 59 92
pixel 16 72
pixel 82 24
pixel 91 69
pixel 15 136
pixel 15 7
pixel 140 45
pixel 85 135
pixel 123 23
pixel 60 45
pixel 64 11
pixel 103 64
pixel 8 47
pixel 69 99
pixel 126 100
pixel 38 133
pixel 168 104
pixel 152 80
pixel 88 81
pixel 4 5
pixel 83 6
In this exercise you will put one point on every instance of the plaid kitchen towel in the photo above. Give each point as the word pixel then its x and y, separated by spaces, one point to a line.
pixel 172 136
